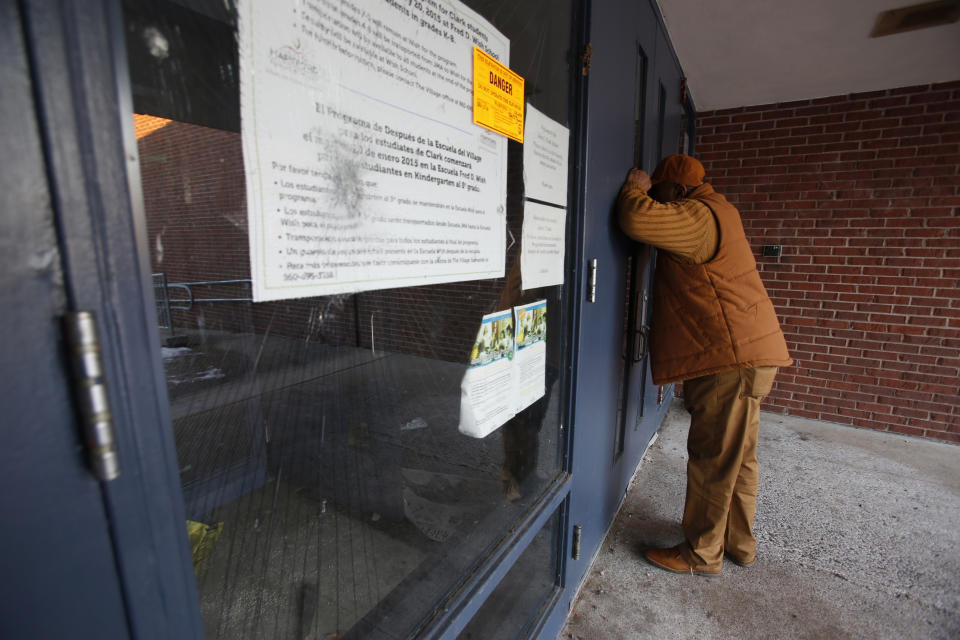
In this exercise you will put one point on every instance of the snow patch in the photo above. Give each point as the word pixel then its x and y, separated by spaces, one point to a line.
pixel 212 373
pixel 169 353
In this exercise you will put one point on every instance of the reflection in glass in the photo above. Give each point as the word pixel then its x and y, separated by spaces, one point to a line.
pixel 513 607
pixel 327 488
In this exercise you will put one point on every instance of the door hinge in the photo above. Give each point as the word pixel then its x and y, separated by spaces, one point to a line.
pixel 592 281
pixel 577 531
pixel 587 55
pixel 90 391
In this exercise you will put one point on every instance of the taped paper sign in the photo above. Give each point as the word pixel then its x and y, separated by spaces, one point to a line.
pixel 543 243
pixel 487 388
pixel 531 359
pixel 364 169
pixel 545 154
pixel 497 96
pixel 507 370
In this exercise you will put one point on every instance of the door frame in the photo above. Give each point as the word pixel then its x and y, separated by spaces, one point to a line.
pixel 81 86
pixel 81 89
pixel 620 470
pixel 50 495
pixel 78 62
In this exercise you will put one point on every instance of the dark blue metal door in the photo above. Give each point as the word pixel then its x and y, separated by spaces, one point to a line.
pixel 632 116
pixel 78 557
pixel 47 490
pixel 669 116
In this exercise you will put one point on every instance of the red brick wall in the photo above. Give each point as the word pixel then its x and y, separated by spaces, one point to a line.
pixel 863 193
pixel 195 202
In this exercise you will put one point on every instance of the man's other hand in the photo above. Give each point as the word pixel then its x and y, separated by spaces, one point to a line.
pixel 638 178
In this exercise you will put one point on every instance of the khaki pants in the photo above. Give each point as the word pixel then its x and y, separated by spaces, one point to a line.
pixel 722 470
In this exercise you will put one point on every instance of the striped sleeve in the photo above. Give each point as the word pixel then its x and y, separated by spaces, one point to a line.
pixel 686 228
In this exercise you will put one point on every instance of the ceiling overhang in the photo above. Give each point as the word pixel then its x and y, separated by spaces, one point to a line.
pixel 749 52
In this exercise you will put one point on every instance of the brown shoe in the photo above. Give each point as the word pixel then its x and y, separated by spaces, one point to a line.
pixel 738 561
pixel 672 560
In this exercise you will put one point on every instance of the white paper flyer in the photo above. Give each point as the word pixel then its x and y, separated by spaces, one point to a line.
pixel 542 245
pixel 487 391
pixel 545 153
pixel 546 148
pixel 363 167
pixel 507 370
pixel 531 358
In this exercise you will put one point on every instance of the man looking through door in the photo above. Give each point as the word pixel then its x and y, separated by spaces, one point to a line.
pixel 715 328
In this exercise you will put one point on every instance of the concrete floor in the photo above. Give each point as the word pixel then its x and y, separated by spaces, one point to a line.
pixel 859 537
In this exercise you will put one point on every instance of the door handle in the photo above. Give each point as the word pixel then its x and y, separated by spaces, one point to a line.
pixel 641 344
pixel 641 332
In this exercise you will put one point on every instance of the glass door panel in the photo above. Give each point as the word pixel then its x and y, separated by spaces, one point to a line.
pixel 527 588
pixel 328 490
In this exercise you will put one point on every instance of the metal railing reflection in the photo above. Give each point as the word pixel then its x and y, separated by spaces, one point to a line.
pixel 165 303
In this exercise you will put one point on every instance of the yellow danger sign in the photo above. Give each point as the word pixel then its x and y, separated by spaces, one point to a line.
pixel 497 96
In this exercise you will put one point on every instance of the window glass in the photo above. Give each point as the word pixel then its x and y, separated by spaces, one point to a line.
pixel 511 609
pixel 328 490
